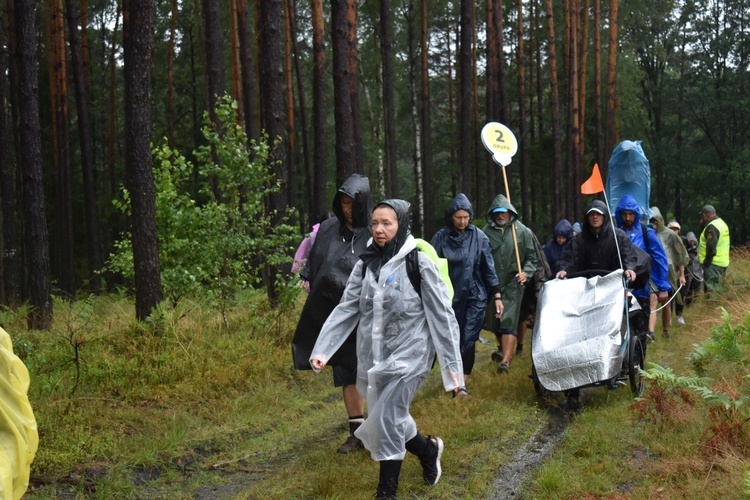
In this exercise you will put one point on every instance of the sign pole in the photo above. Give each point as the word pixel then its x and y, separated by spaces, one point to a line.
pixel 500 141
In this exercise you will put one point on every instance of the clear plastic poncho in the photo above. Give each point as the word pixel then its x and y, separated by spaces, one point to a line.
pixel 397 339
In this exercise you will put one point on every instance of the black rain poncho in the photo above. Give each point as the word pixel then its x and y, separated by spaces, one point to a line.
pixel 398 336
pixel 332 258
pixel 471 269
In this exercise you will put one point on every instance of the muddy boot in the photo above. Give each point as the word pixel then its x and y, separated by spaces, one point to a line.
pixel 352 443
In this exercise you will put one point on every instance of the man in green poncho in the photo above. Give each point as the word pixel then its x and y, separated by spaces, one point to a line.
pixel 501 220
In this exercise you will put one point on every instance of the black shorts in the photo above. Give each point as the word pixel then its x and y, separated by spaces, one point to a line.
pixel 343 376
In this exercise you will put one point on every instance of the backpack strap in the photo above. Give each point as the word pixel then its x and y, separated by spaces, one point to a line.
pixel 412 271
pixel 645 237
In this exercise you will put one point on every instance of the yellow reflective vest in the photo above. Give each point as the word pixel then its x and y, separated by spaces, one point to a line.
pixel 721 258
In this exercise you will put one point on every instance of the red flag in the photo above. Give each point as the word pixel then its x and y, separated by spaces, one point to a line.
pixel 594 184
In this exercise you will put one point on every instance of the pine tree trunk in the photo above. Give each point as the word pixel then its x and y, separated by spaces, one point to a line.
pixel 351 16
pixel 598 125
pixel 307 164
pixel 319 177
pixel 611 133
pixel 492 91
pixel 554 102
pixel 465 91
pixel 57 62
pixel 291 182
pixel 247 68
pixel 272 95
pixel 138 45
pixel 418 226
pixel 430 226
pixel 87 148
pixel 30 159
pixel 342 104
pixel 521 80
pixel 11 286
pixel 389 111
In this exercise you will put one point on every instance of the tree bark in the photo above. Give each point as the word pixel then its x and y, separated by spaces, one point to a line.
pixel 389 111
pixel 30 158
pixel 611 133
pixel 521 79
pixel 430 225
pixel 291 143
pixel 272 96
pixel 554 102
pixel 598 125
pixel 214 50
pixel 87 148
pixel 249 86
pixel 57 63
pixel 138 45
pixel 465 91
pixel 11 286
pixel 351 16
pixel 342 103
pixel 319 177
pixel 305 132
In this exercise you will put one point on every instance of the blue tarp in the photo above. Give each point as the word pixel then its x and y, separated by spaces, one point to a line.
pixel 629 173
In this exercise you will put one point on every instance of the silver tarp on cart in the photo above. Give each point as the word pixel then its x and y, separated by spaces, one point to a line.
pixel 578 336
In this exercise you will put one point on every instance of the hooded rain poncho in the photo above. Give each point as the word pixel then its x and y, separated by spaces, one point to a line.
pixel 471 268
pixel 397 339
pixel 659 266
pixel 335 252
pixel 504 255
pixel 676 252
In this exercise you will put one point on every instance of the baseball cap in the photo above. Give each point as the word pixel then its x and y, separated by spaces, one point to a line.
pixel 595 209
pixel 707 209
pixel 673 224
pixel 499 210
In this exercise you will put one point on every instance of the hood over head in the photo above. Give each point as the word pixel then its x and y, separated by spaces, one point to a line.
pixel 358 187
pixel 563 228
pixel 627 202
pixel 501 201
pixel 656 214
pixel 374 256
pixel 460 202
pixel 599 206
pixel 691 237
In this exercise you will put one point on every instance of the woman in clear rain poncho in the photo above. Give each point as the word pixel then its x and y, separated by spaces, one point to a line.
pixel 398 335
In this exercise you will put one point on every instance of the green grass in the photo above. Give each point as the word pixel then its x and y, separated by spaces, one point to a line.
pixel 183 408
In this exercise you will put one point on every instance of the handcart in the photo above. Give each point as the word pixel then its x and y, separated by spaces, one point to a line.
pixel 583 334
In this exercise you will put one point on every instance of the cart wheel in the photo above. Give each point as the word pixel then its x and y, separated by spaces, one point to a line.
pixel 540 391
pixel 636 363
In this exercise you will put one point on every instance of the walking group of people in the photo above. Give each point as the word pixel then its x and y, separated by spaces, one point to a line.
pixel 381 329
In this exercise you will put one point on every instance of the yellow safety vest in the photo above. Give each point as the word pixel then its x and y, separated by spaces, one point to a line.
pixel 721 258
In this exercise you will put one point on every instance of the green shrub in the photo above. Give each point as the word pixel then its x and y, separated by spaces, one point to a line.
pixel 214 248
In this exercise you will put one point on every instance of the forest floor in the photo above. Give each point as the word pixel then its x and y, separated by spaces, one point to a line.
pixel 238 422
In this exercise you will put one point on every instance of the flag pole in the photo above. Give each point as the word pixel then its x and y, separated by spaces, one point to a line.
pixel 594 185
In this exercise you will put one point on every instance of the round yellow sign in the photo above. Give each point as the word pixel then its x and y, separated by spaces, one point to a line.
pixel 500 141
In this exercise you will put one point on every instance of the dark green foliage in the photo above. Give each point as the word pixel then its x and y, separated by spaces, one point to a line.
pixel 215 248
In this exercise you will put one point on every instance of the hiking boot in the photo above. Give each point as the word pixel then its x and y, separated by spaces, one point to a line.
pixel 665 333
pixel 681 320
pixel 497 356
pixel 431 463
pixel 519 351
pixel 651 337
pixel 352 443
pixel 503 368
